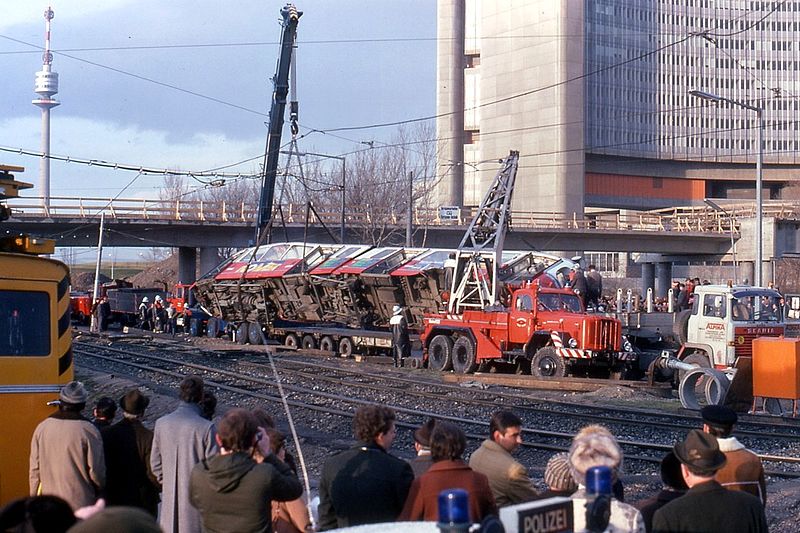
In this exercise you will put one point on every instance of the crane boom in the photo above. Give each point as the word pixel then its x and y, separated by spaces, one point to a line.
pixel 281 83
pixel 479 256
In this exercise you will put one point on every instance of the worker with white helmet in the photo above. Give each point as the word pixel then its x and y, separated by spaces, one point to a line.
pixel 143 309
pixel 401 344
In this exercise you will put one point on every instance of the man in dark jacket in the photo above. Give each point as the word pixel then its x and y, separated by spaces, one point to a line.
pixel 127 446
pixel 578 284
pixel 674 487
pixel 365 485
pixel 707 506
pixel 594 286
pixel 401 344
pixel 232 491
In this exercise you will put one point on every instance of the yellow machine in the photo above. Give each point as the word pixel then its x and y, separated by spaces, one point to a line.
pixel 35 343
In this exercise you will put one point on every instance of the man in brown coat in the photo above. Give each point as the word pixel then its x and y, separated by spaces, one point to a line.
pixel 743 469
pixel 508 479
pixel 67 452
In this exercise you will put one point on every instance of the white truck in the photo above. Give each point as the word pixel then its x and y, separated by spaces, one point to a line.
pixel 718 331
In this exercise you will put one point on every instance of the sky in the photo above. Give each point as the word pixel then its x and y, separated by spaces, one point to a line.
pixel 187 85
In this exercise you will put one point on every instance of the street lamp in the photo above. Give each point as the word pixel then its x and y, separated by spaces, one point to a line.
pixel 343 160
pixel 759 171
pixel 720 209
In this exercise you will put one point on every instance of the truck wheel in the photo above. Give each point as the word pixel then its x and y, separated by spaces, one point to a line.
pixel 309 342
pixel 194 328
pixel 241 333
pixel 326 344
pixel 212 328
pixel 464 355
pixel 440 353
pixel 546 363
pixel 291 341
pixel 254 333
pixel 345 347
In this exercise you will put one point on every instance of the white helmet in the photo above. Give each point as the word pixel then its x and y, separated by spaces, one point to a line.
pixel 145 299
pixel 396 310
pixel 158 298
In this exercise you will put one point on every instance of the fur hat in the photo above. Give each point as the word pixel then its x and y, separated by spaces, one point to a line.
pixel 719 416
pixel 594 446
pixel 423 433
pixel 700 451
pixel 557 474
pixel 73 393
pixel 134 402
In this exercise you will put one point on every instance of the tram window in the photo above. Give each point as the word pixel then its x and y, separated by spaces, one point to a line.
pixel 24 323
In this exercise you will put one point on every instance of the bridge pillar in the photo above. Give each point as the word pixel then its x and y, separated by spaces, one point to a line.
pixel 663 274
pixel 187 264
pixel 209 258
pixel 648 277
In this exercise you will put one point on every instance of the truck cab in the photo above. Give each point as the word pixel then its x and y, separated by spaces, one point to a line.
pixel 724 320
pixel 544 330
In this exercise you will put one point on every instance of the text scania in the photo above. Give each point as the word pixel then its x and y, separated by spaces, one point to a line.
pixel 547 522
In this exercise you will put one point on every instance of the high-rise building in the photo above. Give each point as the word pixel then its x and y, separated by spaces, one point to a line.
pixel 595 94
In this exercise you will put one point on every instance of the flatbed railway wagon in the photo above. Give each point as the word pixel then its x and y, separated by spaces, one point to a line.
pixel 338 298
pixel 35 345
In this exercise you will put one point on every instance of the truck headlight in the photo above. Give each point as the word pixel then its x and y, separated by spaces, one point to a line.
pixel 572 342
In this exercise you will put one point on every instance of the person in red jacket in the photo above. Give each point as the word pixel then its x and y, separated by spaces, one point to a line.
pixel 448 471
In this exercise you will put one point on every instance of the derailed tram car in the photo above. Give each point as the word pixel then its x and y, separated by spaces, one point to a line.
pixel 339 298
pixel 35 357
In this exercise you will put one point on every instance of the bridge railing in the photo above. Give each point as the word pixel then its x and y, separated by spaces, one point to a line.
pixel 686 219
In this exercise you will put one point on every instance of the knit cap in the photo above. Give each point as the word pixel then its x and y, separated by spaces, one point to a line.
pixel 557 473
pixel 73 393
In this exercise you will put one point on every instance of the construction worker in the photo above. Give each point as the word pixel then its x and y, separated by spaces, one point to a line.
pixel 401 344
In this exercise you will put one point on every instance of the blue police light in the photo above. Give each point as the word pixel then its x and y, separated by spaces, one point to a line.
pixel 453 511
pixel 598 481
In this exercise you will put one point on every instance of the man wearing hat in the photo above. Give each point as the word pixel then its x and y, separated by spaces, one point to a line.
pixel 707 506
pixel 743 469
pixel 401 344
pixel 67 452
pixel 422 444
pixel 127 447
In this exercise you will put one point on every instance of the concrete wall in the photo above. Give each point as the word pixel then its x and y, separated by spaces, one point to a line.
pixel 523 104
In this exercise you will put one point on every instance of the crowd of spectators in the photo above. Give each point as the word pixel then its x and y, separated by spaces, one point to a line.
pixel 197 472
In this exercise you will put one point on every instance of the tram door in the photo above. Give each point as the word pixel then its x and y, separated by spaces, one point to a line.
pixel 35 358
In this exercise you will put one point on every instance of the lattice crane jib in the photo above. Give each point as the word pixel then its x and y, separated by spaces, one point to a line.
pixel 479 256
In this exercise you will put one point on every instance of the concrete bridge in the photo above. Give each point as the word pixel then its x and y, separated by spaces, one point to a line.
pixel 685 234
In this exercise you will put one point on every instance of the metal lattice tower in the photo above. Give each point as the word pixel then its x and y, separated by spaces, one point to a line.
pixel 479 256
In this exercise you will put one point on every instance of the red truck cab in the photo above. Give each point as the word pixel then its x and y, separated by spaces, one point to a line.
pixel 545 330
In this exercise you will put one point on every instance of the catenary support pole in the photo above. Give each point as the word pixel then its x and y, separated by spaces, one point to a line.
pixel 94 326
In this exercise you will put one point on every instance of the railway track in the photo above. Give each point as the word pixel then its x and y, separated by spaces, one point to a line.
pixel 336 390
